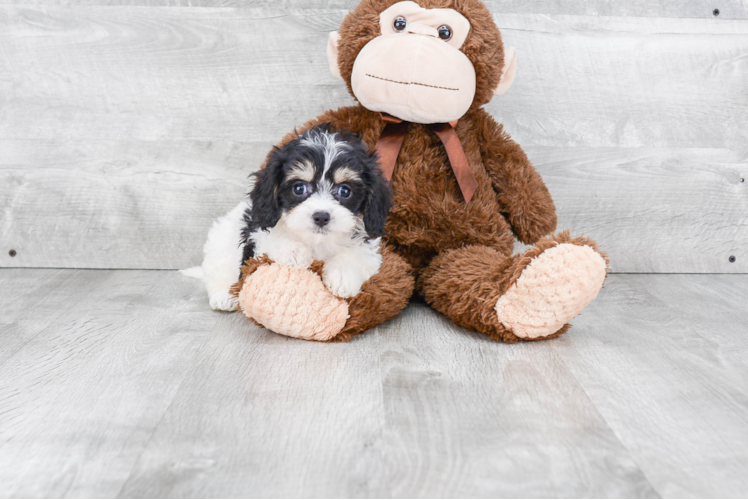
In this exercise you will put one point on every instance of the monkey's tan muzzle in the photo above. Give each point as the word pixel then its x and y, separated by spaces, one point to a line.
pixel 417 78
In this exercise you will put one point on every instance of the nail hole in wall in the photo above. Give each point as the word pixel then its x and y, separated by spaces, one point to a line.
pixel 732 258
pixel 12 253
pixel 715 12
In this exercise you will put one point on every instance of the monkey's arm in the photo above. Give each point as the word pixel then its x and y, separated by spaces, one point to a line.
pixel 523 197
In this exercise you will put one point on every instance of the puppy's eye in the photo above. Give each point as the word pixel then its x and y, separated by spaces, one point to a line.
pixel 301 188
pixel 344 191
pixel 445 32
pixel 400 23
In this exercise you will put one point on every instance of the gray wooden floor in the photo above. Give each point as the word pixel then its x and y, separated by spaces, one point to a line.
pixel 124 383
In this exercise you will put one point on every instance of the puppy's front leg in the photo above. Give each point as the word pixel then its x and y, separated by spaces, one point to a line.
pixel 276 246
pixel 292 254
pixel 223 258
pixel 347 271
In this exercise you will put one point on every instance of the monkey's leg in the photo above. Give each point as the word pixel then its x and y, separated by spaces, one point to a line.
pixel 522 297
pixel 295 302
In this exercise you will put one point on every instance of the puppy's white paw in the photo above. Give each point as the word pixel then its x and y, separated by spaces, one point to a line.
pixel 223 301
pixel 299 256
pixel 342 282
pixel 345 273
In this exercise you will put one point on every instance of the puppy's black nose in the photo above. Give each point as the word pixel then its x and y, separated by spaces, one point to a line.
pixel 321 218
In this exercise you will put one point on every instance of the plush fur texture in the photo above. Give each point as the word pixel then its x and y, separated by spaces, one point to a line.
pixel 277 223
pixel 306 310
pixel 483 45
pixel 302 311
pixel 320 196
pixel 457 254
pixel 549 292
pixel 382 297
pixel 429 214
pixel 466 284
pixel 222 258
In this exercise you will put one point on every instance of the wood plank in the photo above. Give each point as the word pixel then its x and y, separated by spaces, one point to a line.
pixel 469 417
pixel 729 9
pixel 138 389
pixel 140 124
pixel 605 82
pixel 153 73
pixel 33 299
pixel 254 73
pixel 112 204
pixel 80 400
pixel 312 423
pixel 271 417
pixel 654 210
pixel 142 204
pixel 663 360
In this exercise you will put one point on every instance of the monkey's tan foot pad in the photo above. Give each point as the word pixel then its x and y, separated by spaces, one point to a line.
pixel 551 290
pixel 292 302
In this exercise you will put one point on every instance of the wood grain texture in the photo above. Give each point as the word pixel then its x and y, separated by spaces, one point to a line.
pixel 470 417
pixel 728 9
pixel 126 130
pixel 134 388
pixel 92 362
pixel 141 204
pixel 48 296
pixel 253 74
pixel 616 82
pixel 117 204
pixel 663 360
pixel 270 416
pixel 654 210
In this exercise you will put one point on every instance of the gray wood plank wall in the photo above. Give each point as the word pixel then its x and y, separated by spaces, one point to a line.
pixel 126 126
pixel 727 9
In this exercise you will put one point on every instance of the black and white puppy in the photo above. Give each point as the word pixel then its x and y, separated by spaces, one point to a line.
pixel 321 196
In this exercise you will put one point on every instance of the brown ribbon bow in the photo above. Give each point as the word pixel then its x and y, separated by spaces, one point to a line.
pixel 389 144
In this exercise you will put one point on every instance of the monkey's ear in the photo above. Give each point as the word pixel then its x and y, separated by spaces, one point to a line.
pixel 509 71
pixel 332 54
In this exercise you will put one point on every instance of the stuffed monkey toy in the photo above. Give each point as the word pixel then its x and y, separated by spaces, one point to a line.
pixel 462 189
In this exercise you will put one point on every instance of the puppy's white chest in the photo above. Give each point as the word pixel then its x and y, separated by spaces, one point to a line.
pixel 278 246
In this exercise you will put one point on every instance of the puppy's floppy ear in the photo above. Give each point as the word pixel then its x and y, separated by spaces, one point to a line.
pixel 378 202
pixel 266 210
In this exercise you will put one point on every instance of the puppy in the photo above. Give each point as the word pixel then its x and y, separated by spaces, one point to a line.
pixel 321 196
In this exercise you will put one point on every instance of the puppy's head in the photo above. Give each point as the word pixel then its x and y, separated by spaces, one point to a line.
pixel 321 184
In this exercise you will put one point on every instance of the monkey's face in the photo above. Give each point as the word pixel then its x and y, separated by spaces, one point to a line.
pixel 423 65
pixel 414 70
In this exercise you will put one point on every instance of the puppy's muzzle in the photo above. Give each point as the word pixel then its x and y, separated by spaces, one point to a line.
pixel 321 218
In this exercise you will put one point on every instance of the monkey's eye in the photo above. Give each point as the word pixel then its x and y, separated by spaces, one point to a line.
pixel 344 191
pixel 445 32
pixel 301 188
pixel 400 23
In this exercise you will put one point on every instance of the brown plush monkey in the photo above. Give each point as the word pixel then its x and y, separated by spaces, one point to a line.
pixel 461 191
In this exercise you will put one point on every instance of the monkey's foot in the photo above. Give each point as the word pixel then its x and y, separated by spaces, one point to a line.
pixel 554 287
pixel 292 302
